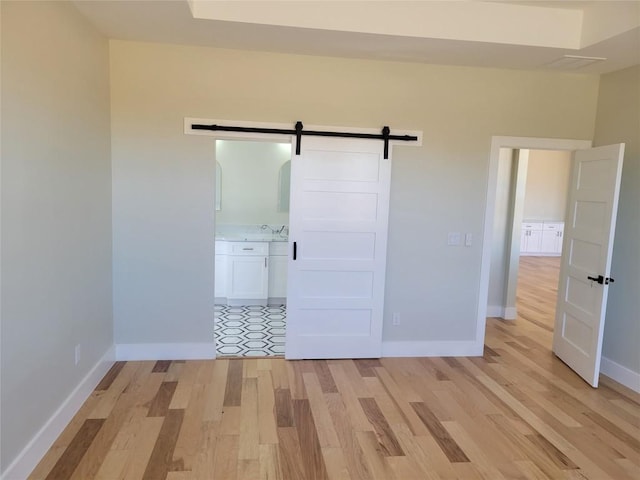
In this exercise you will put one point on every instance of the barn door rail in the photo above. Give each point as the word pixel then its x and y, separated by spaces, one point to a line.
pixel 299 131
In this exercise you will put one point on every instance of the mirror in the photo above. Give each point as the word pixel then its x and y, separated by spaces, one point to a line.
pixel 255 184
pixel 284 186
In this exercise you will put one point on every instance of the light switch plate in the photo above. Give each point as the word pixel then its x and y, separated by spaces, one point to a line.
pixel 468 239
pixel 453 239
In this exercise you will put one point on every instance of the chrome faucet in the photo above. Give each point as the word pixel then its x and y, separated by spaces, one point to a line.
pixel 274 231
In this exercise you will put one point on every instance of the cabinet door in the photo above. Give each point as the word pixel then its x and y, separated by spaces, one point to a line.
pixel 220 279
pixel 531 241
pixel 559 237
pixel 549 243
pixel 247 277
pixel 278 276
pixel 524 238
pixel 534 243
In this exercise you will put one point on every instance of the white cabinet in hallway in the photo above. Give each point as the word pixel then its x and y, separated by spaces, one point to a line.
pixel 531 238
pixel 552 234
pixel 541 238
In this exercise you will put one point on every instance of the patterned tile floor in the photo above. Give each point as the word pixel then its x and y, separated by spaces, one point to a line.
pixel 250 331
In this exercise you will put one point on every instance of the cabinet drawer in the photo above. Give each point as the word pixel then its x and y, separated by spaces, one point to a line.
pixel 279 248
pixel 249 248
pixel 554 226
pixel 532 226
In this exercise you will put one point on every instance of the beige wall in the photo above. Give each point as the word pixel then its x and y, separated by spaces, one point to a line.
pixel 56 212
pixel 618 120
pixel 162 179
pixel 547 185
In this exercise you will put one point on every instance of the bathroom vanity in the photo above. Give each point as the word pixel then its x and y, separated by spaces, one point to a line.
pixel 251 271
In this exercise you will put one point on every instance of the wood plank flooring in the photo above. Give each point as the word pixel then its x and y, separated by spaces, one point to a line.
pixel 538 289
pixel 516 413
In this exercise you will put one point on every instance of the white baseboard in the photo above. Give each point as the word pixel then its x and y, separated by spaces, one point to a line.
pixel 29 457
pixel 463 348
pixel 620 374
pixel 498 311
pixel 165 351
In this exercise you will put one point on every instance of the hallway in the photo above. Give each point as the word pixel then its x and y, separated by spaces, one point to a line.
pixel 537 290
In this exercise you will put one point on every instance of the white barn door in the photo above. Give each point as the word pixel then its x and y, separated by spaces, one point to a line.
pixel 586 259
pixel 338 234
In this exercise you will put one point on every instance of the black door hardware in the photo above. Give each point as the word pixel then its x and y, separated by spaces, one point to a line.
pixel 384 135
pixel 295 250
pixel 602 280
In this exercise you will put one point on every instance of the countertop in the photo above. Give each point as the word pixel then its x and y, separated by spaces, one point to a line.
pixel 251 237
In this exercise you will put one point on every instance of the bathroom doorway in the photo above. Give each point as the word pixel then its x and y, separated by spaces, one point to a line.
pixel 251 245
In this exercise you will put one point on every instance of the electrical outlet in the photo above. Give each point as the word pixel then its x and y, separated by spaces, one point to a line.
pixel 77 354
pixel 453 239
pixel 396 319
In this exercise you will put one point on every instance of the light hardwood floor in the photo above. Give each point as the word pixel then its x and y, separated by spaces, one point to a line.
pixel 538 290
pixel 516 413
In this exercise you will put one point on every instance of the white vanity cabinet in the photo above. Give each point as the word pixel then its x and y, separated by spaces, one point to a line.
pixel 250 273
pixel 220 279
pixel 278 264
pixel 247 273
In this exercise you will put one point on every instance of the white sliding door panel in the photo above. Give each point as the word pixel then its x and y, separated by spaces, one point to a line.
pixel 586 260
pixel 338 224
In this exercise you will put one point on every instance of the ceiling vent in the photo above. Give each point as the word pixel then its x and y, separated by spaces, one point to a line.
pixel 573 62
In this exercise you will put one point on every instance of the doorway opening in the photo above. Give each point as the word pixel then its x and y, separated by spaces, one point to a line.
pixel 588 243
pixel 251 245
pixel 495 260
pixel 528 231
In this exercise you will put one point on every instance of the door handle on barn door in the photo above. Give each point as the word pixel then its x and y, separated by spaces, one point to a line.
pixel 295 250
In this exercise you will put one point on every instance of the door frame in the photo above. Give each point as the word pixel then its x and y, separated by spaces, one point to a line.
pixel 516 143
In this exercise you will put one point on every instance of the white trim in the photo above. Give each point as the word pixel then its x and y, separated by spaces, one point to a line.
pixel 620 374
pixel 41 442
pixel 520 164
pixel 499 311
pixel 188 121
pixel 165 351
pixel 498 142
pixel 460 348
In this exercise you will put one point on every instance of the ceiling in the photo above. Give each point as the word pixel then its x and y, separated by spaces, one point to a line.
pixel 505 34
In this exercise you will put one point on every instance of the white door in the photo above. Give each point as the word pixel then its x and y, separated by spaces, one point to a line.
pixel 589 231
pixel 338 227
